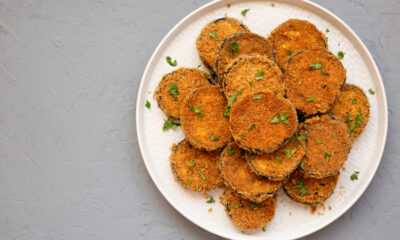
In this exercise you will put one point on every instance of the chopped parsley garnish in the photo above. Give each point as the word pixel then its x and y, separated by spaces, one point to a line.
pixel 211 200
pixel 148 104
pixel 254 206
pixel 251 83
pixel 273 4
pixel 212 138
pixel 173 89
pixel 310 99
pixel 289 52
pixel 227 112
pixel 315 66
pixel 302 165
pixel 214 35
pixel 289 153
pixel 244 136
pixel 245 11
pixel 324 73
pixel 257 97
pixel 263 229
pixel 326 30
pixel 327 155
pixel 202 176
pixel 277 157
pixel 354 176
pixel 300 185
pixel 251 127
pixel 168 123
pixel 234 47
pixel 348 118
pixel 192 163
pixel 340 55
pixel 169 61
pixel 260 75
pixel 283 118
pixel 198 66
pixel 190 181
pixel 357 122
pixel 231 151
pixel 235 205
pixel 232 99
pixel 320 142
pixel 275 119
pixel 323 85
pixel 326 39
pixel 301 137
pixel 371 91
pixel 354 101
pixel 198 110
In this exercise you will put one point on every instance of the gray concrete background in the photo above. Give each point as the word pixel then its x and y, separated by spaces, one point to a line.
pixel 61 65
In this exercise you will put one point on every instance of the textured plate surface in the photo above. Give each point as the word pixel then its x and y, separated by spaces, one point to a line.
pixel 292 220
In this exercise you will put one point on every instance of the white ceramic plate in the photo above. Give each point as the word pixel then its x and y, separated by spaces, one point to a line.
pixel 292 220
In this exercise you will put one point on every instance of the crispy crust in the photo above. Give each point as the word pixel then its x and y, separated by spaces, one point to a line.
pixel 278 165
pixel 208 46
pixel 187 79
pixel 264 137
pixel 319 189
pixel 335 141
pixel 244 216
pixel 344 107
pixel 303 83
pixel 243 70
pixel 295 35
pixel 212 104
pixel 249 43
pixel 237 175
pixel 183 155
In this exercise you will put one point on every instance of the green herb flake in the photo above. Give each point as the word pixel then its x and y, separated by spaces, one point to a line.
pixel 259 75
pixel 289 152
pixel 263 229
pixel 273 4
pixel 232 99
pixel 251 127
pixel 289 52
pixel 227 112
pixel 244 12
pixel 315 66
pixel 277 157
pixel 300 185
pixel 323 85
pixel 327 155
pixel 169 61
pixel 340 55
pixel 302 165
pixel 324 73
pixel 257 97
pixel 251 83
pixel 212 138
pixel 320 142
pixel 234 47
pixel 354 101
pixel 357 122
pixel 371 91
pixel 244 136
pixel 173 89
pixel 198 66
pixel 275 119
pixel 198 111
pixel 254 206
pixel 235 205
pixel 348 118
pixel 326 39
pixel 303 191
pixel 231 151
pixel 202 176
pixel 191 107
pixel 190 181
pixel 283 118
pixel 211 200
pixel 192 163
pixel 310 99
pixel 214 35
pixel 354 176
pixel 148 104
pixel 168 123
pixel 327 30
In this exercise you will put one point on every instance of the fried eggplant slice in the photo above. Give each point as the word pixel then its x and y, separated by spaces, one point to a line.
pixel 252 74
pixel 327 146
pixel 212 36
pixel 308 190
pixel 247 43
pixel 293 36
pixel 313 79
pixel 238 176
pixel 276 166
pixel 195 169
pixel 352 107
pixel 202 118
pixel 247 214
pixel 175 86
pixel 262 122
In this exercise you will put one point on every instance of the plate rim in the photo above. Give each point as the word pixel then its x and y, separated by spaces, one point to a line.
pixel 340 212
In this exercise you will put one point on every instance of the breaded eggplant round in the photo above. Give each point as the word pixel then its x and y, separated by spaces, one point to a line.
pixel 293 36
pixel 202 118
pixel 238 176
pixel 308 190
pixel 262 122
pixel 313 79
pixel 327 146
pixel 246 214
pixel 247 43
pixel 195 169
pixel 252 74
pixel 276 166
pixel 352 107
pixel 212 36
pixel 175 86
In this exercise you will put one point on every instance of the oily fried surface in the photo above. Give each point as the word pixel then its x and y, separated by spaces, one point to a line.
pixel 317 190
pixel 249 43
pixel 314 90
pixel 207 45
pixel 241 75
pixel 251 126
pixel 237 175
pixel 246 214
pixel 187 80
pixel 355 113
pixel 279 164
pixel 202 118
pixel 327 146
pixel 189 165
pixel 295 35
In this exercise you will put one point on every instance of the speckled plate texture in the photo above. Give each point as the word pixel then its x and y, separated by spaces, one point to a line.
pixel 292 220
